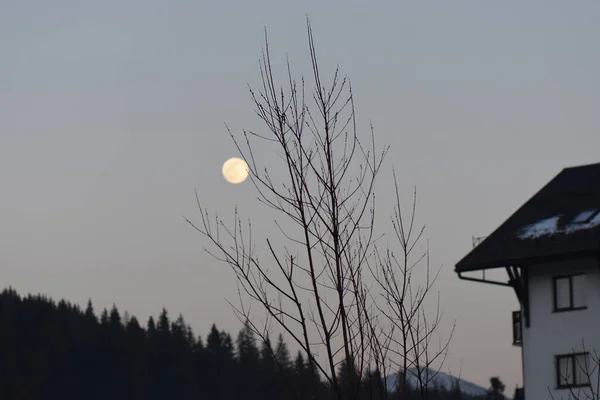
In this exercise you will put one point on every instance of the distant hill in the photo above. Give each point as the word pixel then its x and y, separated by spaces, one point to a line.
pixel 442 380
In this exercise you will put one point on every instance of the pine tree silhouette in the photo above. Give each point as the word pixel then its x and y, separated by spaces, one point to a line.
pixel 54 350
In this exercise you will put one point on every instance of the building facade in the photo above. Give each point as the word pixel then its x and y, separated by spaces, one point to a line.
pixel 550 250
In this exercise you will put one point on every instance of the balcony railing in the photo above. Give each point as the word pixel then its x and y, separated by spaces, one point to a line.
pixel 517 328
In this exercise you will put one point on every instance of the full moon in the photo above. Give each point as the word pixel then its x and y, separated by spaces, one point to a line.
pixel 235 170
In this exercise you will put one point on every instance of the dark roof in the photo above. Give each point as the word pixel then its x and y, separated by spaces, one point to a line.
pixel 543 228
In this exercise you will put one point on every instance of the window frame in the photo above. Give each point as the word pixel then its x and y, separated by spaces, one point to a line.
pixel 574 366
pixel 555 294
pixel 594 213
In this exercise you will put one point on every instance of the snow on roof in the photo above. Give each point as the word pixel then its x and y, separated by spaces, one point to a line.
pixel 549 226
pixel 561 220
pixel 579 223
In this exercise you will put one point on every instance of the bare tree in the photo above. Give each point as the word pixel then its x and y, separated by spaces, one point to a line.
pixel 409 339
pixel 314 287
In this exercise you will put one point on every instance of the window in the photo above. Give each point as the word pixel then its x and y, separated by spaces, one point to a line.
pixel 585 217
pixel 569 293
pixel 572 370
pixel 516 323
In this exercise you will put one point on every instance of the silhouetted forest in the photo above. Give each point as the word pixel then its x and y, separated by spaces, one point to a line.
pixel 54 350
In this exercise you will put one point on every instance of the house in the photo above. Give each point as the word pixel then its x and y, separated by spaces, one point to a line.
pixel 550 251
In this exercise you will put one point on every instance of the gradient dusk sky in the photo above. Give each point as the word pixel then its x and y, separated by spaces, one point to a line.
pixel 112 113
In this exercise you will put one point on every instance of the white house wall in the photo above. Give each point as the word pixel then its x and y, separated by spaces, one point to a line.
pixel 552 333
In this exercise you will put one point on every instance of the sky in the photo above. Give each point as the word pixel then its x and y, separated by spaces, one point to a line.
pixel 112 113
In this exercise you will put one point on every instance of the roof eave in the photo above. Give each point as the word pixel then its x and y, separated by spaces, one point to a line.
pixel 471 267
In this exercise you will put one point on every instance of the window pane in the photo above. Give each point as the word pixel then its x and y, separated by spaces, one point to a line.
pixel 564 371
pixel 579 289
pixel 584 216
pixel 563 298
pixel 581 368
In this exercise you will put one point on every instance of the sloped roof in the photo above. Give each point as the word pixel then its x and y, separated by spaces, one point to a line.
pixel 562 220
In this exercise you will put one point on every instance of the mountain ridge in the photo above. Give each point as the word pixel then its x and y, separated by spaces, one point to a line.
pixel 438 379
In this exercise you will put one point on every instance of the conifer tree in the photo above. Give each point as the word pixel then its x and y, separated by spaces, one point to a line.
pixel 163 324
pixel 104 317
pixel 282 354
pixel 151 326
pixel 248 361
pixel 89 311
pixel 190 338
pixel 268 364
pixel 268 371
pixel 348 379
pixel 50 350
pixel 114 318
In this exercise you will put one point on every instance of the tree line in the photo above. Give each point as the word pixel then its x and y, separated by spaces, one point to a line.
pixel 58 350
